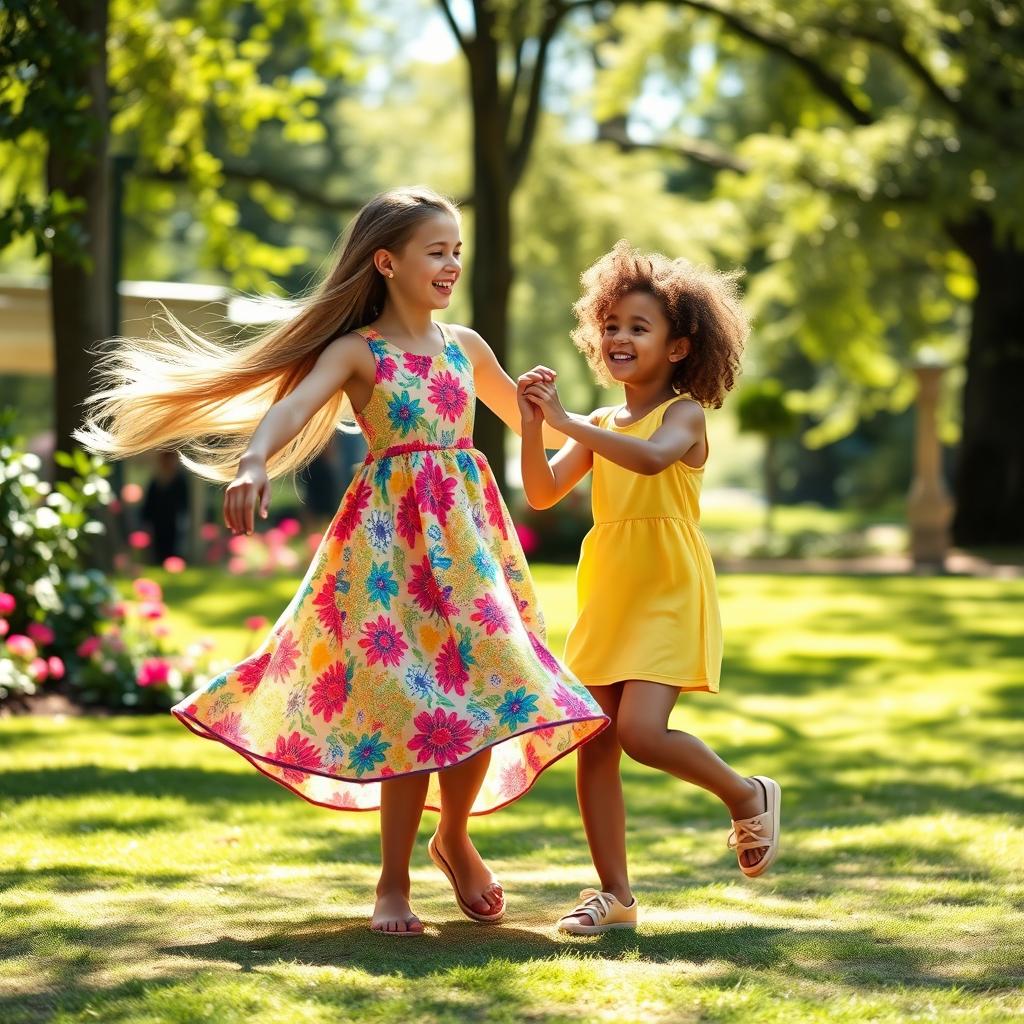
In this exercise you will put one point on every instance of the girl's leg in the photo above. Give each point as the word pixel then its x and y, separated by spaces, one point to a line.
pixel 646 737
pixel 599 791
pixel 401 807
pixel 459 787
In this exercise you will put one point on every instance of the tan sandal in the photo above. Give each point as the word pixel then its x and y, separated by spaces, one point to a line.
pixel 760 832
pixel 474 915
pixel 605 913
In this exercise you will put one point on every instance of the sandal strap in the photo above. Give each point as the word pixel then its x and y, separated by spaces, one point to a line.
pixel 750 834
pixel 595 904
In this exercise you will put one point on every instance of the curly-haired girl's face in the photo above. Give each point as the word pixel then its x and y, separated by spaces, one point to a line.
pixel 636 345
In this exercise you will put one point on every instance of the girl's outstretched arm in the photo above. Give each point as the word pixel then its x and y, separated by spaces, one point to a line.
pixel 495 388
pixel 682 428
pixel 546 483
pixel 339 362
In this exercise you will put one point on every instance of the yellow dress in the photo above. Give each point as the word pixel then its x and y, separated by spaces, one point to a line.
pixel 646 601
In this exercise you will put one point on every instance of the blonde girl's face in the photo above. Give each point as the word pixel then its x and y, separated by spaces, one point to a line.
pixel 426 270
pixel 636 345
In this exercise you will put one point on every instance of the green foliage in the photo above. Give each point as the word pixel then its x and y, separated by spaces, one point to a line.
pixel 45 533
pixel 762 409
pixel 192 87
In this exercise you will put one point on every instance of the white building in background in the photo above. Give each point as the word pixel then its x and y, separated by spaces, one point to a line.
pixel 26 334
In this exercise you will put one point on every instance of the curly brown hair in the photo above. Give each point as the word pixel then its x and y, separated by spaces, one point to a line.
pixel 701 304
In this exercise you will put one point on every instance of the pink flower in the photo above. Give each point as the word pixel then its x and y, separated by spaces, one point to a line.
pixel 209 531
pixel 407 519
pixel 230 728
pixel 528 538
pixel 162 630
pixel 255 622
pixel 330 692
pixel 382 642
pixel 429 594
pixel 351 511
pixel 451 670
pixel 5 627
pixel 313 541
pixel 39 670
pixel 490 615
pixel 513 779
pixel 89 646
pixel 117 610
pixel 441 737
pixel 290 527
pixel 174 564
pixel 448 396
pixel 56 667
pixel 42 634
pixel 252 671
pixel 7 603
pixel 152 609
pixel 547 659
pixel 296 750
pixel 435 491
pixel 274 537
pixel 326 602
pixel 21 646
pixel 418 365
pixel 284 659
pixel 153 672
pixel 131 493
pixel 495 513
pixel 148 590
pixel 239 544
pixel 138 539
pixel 236 566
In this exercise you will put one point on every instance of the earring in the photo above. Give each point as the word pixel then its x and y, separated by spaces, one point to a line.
pixel 391 274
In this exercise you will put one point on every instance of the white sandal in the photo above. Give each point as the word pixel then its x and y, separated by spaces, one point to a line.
pixel 605 913
pixel 760 832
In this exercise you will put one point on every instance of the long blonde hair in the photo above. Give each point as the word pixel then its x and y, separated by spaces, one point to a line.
pixel 206 398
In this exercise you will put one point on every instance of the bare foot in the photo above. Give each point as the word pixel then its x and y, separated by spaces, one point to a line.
pixel 479 888
pixel 754 804
pixel 392 913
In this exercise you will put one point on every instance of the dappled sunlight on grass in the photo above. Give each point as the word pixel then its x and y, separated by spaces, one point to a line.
pixel 150 877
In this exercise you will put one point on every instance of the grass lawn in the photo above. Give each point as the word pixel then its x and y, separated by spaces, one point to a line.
pixel 149 876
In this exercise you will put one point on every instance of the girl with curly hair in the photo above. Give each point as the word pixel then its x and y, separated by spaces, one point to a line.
pixel 671 334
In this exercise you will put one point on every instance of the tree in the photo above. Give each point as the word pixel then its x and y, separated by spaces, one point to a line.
pixel 888 136
pixel 188 90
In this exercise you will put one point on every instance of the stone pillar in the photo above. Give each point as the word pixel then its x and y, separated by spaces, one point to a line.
pixel 929 506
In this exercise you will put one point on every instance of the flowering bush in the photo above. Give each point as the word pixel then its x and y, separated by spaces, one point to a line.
pixel 131 662
pixel 63 622
pixel 48 601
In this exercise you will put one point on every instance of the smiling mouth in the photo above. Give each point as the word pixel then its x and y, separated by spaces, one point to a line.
pixel 621 357
pixel 444 286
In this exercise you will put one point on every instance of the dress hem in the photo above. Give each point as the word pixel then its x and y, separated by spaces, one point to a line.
pixel 684 683
pixel 259 760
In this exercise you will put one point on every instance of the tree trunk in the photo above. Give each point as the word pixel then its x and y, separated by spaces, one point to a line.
pixel 492 223
pixel 989 483
pixel 79 290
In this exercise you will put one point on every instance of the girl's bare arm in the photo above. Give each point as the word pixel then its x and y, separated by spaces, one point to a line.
pixel 495 388
pixel 682 428
pixel 338 364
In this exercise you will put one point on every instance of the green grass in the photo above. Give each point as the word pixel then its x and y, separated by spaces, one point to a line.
pixel 149 876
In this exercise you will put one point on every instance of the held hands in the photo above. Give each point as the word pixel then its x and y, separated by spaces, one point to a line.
pixel 527 409
pixel 250 487
pixel 538 390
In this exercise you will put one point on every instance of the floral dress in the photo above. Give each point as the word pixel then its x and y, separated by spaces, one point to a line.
pixel 415 639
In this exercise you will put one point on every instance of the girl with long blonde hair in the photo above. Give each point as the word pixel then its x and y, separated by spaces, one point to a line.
pixel 411 669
